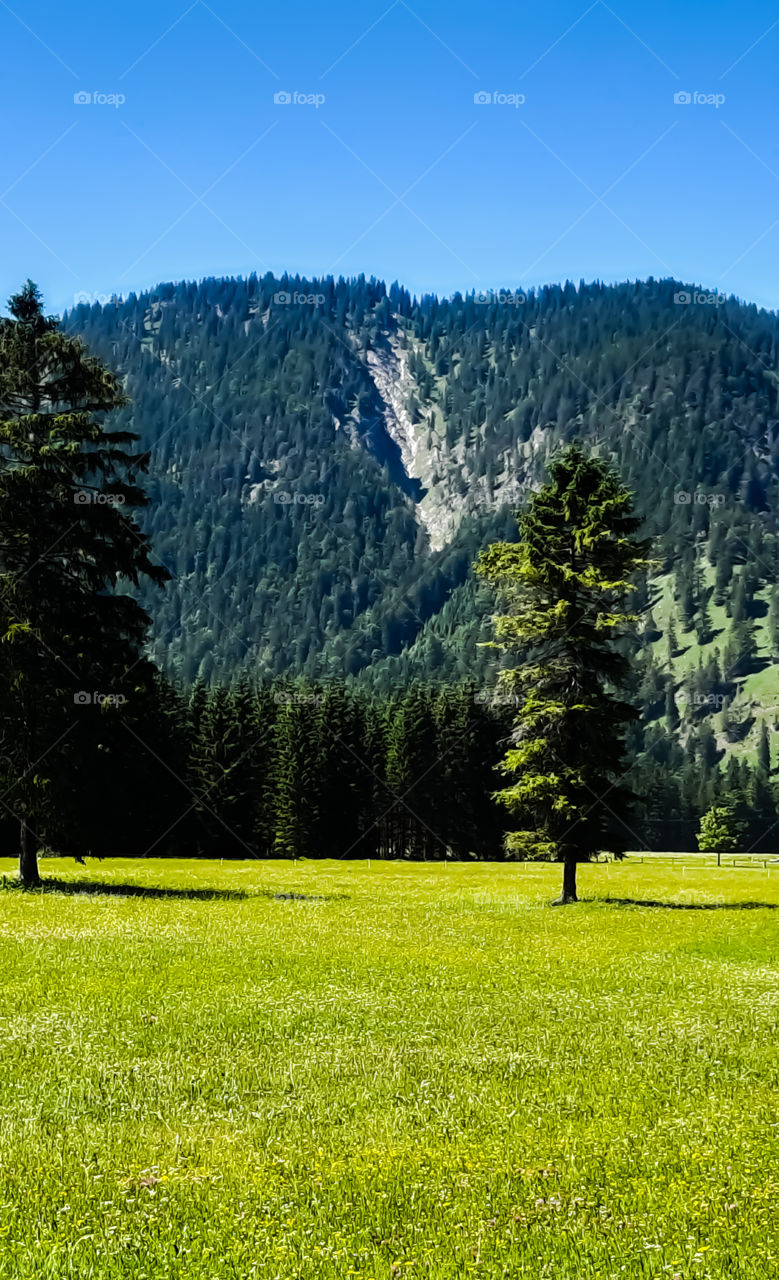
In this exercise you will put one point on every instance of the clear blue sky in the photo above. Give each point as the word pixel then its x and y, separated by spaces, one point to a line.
pixel 398 172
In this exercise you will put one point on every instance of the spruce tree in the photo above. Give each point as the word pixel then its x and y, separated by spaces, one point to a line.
pixel 773 624
pixel 721 831
pixel 297 774
pixel 563 585
pixel 224 771
pixel 671 709
pixel 411 765
pixel 336 724
pixel 69 638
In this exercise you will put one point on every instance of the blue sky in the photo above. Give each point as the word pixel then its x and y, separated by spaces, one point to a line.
pixel 397 172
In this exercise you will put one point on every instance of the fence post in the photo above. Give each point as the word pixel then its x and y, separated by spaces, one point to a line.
pixel 719 858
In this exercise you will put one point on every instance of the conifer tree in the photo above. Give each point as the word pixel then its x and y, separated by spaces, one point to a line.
pixel 335 722
pixel 773 623
pixel 225 772
pixel 562 586
pixel 296 775
pixel 375 799
pixel 67 538
pixel 261 782
pixel 411 760
pixel 721 831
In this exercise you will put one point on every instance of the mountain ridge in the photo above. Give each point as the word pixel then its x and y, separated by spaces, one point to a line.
pixel 324 473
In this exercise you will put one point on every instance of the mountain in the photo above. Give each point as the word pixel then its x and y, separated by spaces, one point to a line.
pixel 327 456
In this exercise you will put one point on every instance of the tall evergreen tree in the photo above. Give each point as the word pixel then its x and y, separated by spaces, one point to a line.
pixel 411 766
pixel 69 639
pixel 297 775
pixel 562 586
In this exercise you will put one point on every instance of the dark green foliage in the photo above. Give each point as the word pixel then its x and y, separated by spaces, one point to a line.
pixel 294 770
pixel 721 831
pixel 69 546
pixel 563 587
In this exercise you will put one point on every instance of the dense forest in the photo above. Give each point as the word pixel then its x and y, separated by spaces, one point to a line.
pixel 290 769
pixel 284 770
pixel 328 457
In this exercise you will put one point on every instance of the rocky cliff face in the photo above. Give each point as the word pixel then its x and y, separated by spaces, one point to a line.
pixel 421 454
pixel 449 486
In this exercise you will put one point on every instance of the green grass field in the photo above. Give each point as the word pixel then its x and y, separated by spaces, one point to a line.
pixel 416 1071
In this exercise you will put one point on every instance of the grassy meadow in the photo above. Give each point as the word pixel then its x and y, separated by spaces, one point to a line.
pixel 413 1070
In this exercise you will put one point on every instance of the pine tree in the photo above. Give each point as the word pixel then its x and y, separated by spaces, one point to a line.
pixel 262 764
pixel 773 623
pixel 297 774
pixel 721 831
pixel 225 771
pixel 345 774
pixel 67 487
pixel 563 585
pixel 763 751
pixel 468 731
pixel 671 709
pixel 704 629
pixel 411 760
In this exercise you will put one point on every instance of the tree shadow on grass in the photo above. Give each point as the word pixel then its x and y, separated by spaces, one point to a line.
pixel 106 889
pixel 101 888
pixel 688 906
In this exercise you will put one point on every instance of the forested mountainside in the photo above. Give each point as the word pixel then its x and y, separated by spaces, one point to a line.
pixel 327 457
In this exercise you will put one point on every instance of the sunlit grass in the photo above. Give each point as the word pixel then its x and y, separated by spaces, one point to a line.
pixel 412 1071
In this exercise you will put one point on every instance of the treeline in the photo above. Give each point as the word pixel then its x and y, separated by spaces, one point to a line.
pixel 281 770
pixel 291 769
pixel 678 781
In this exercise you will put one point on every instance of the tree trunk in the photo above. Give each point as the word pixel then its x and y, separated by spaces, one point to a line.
pixel 28 857
pixel 569 883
